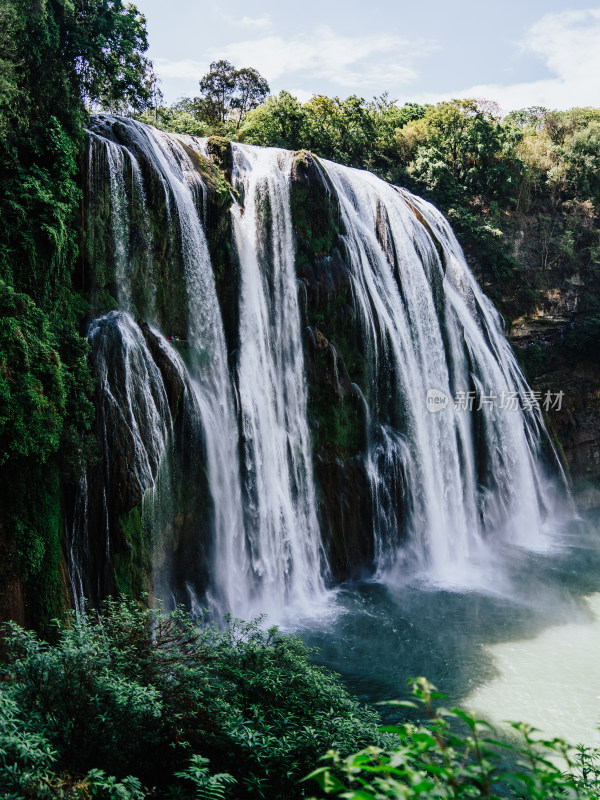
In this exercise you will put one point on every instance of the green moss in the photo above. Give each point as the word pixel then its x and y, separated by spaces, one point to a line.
pixel 32 391
pixel 132 567
pixel 533 360
pixel 220 149
pixel 314 213
pixel 338 424
pixel 34 518
pixel 218 230
pixel 214 179
pixel 335 411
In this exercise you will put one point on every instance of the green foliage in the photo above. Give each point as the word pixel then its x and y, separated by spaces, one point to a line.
pixel 561 125
pixel 533 360
pixel 25 754
pixel 89 712
pixel 107 787
pixel 581 154
pixel 453 755
pixel 27 763
pixel 181 117
pixel 132 690
pixel 60 53
pixel 459 147
pixel 581 342
pixel 56 57
pixel 32 390
pixel 533 117
pixel 280 122
pixel 351 131
pixel 208 787
pixel 228 94
pixel 105 41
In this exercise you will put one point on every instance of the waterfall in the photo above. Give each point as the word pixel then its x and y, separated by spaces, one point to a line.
pixel 133 421
pixel 428 327
pixel 208 375
pixel 210 387
pixel 208 366
pixel 283 528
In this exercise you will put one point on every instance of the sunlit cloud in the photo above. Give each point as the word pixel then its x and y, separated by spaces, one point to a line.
pixel 377 59
pixel 302 95
pixel 186 69
pixel 569 44
pixel 370 63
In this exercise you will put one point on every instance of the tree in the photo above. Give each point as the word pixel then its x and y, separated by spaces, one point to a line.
pixel 229 93
pixel 216 89
pixel 533 117
pixel 105 41
pixel 251 89
pixel 280 122
pixel 459 146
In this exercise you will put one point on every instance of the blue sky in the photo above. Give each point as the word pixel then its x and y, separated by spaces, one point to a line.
pixel 516 53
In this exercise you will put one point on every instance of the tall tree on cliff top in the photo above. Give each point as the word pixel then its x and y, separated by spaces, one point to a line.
pixel 229 93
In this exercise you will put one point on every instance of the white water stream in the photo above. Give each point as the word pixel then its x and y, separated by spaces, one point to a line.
pixel 471 479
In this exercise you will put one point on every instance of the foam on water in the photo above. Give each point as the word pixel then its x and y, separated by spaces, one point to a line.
pixel 551 681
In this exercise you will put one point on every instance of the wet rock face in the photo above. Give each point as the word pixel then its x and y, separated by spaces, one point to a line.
pixel 346 515
pixel 171 375
pixel 137 385
pixel 133 415
pixel 335 370
pixel 577 426
pixel 143 403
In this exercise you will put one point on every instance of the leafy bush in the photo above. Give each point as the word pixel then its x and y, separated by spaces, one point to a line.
pixel 433 761
pixel 533 360
pixel 132 690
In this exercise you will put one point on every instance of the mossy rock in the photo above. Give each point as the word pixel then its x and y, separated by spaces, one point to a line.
pixel 132 564
pixel 220 150
pixel 334 354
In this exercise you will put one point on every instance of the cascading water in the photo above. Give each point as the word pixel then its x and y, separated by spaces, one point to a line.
pixel 442 485
pixel 429 327
pixel 281 506
pixel 133 423
pixel 208 366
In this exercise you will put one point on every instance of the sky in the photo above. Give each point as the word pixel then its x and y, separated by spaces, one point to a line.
pixel 518 53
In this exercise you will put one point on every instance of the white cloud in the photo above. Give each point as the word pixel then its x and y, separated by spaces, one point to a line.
pixel 302 95
pixel 569 44
pixel 256 23
pixel 187 69
pixel 370 63
pixel 351 62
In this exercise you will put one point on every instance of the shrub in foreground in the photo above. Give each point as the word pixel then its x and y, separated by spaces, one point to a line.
pixel 130 691
pixel 455 755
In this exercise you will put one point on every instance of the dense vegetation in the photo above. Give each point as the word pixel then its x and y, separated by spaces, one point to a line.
pixel 130 703
pixel 129 691
pixel 57 58
pixel 535 169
